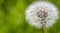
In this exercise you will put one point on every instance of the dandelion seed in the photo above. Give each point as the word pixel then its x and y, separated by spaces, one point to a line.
pixel 41 13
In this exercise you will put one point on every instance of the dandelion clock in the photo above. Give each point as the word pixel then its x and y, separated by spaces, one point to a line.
pixel 41 13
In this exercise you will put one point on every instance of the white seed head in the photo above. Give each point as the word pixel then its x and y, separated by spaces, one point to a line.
pixel 41 10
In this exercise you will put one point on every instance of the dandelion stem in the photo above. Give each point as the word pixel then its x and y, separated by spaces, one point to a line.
pixel 43 27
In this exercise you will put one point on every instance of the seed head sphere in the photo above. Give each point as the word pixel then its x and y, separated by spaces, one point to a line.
pixel 41 10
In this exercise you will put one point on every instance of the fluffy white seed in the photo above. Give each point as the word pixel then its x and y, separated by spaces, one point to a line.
pixel 33 9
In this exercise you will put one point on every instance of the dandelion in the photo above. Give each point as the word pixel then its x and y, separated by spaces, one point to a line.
pixel 41 13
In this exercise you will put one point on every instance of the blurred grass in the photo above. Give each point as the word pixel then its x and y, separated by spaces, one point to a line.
pixel 12 17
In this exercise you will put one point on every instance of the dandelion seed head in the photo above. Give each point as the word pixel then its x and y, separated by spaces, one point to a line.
pixel 41 10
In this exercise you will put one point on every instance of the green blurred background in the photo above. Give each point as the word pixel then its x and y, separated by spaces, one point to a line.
pixel 12 17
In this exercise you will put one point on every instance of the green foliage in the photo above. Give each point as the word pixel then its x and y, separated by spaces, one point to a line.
pixel 12 17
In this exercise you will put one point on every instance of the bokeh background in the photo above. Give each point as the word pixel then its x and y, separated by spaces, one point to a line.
pixel 12 17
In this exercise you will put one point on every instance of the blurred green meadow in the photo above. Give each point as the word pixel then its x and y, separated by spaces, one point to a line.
pixel 12 17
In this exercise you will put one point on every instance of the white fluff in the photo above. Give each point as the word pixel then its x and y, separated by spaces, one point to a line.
pixel 44 6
